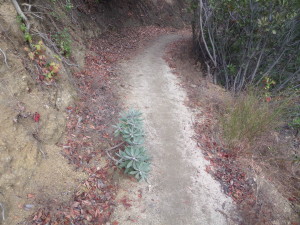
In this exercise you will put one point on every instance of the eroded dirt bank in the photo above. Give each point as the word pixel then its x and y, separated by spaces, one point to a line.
pixel 36 181
pixel 179 190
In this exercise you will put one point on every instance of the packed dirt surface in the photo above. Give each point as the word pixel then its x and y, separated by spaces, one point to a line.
pixel 180 191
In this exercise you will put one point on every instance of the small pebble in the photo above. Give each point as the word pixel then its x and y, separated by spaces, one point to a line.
pixel 28 206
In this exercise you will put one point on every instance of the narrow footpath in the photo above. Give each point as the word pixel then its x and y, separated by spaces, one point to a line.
pixel 180 191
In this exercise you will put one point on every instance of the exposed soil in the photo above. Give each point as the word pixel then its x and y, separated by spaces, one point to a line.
pixel 32 169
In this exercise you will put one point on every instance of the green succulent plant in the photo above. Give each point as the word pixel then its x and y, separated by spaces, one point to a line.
pixel 130 127
pixel 134 159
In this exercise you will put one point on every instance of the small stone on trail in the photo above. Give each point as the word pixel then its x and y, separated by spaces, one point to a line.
pixel 28 206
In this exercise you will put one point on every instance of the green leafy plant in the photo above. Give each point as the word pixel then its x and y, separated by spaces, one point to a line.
pixel 134 159
pixel 28 37
pixel 50 69
pixel 68 5
pixel 295 123
pixel 23 28
pixel 63 41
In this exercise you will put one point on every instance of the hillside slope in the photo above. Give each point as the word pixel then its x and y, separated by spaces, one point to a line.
pixel 34 110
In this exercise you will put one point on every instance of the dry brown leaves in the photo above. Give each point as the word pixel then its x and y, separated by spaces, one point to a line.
pixel 89 129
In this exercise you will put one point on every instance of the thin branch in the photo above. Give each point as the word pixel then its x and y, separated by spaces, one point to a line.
pixel 64 60
pixel 202 35
pixel 34 14
pixel 288 80
pixel 116 146
pixel 5 59
pixel 116 161
pixel 272 66
pixel 3 211
pixel 258 63
pixel 112 148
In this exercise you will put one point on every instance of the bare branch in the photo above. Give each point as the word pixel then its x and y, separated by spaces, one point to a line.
pixel 202 34
pixel 116 146
pixel 258 63
pixel 112 148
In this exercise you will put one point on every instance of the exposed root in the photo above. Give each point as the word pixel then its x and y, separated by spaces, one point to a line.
pixel 5 58
pixel 21 14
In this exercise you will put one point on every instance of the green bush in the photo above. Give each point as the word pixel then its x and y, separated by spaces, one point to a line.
pixel 245 41
pixel 68 5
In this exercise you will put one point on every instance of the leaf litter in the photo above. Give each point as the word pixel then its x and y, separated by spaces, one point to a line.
pixel 88 129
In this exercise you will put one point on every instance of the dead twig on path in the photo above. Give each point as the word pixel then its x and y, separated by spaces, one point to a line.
pixel 3 211
pixel 112 148
pixel 5 58
pixel 116 146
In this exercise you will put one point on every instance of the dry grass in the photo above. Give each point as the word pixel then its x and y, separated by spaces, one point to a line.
pixel 249 117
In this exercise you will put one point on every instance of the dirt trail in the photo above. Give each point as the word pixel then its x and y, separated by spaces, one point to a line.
pixel 180 191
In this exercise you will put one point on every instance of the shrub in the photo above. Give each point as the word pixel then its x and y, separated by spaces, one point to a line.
pixel 246 41
pixel 249 117
pixel 294 115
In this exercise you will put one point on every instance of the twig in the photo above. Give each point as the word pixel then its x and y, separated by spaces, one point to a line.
pixel 39 144
pixel 5 59
pixel 112 148
pixel 64 60
pixel 34 14
pixel 116 146
pixel 116 161
pixel 3 211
